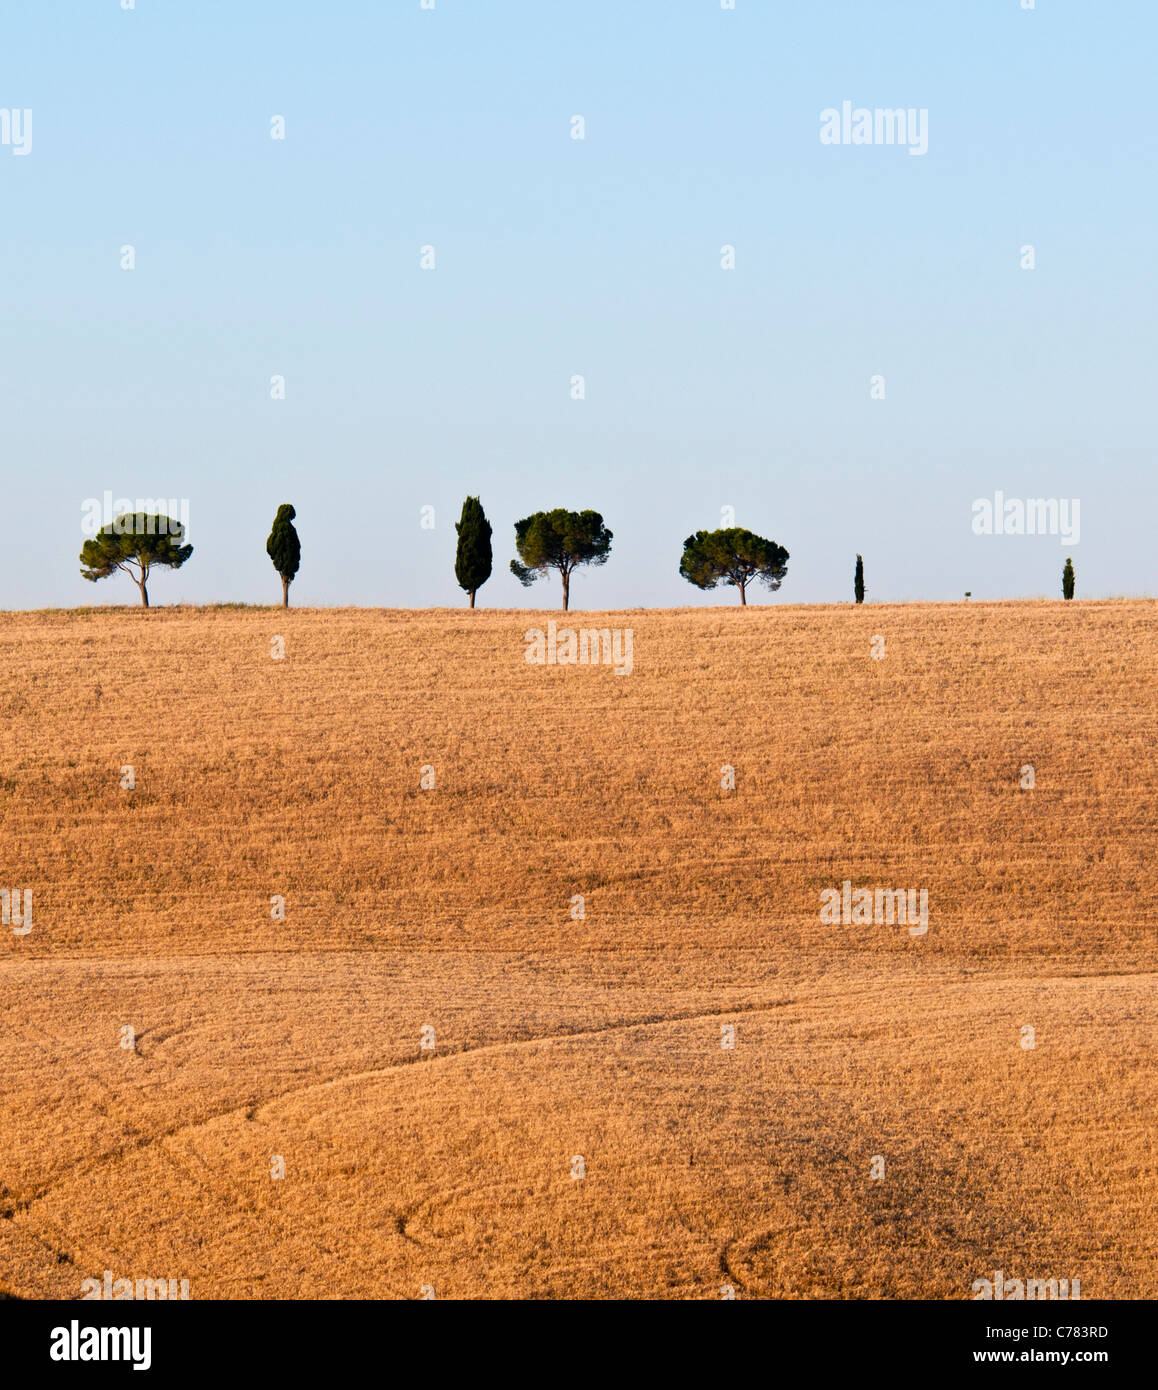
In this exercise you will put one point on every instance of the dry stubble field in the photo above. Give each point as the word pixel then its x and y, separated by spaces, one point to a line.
pixel 601 1037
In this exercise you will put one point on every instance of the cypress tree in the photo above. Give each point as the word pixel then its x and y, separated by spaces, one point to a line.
pixel 858 582
pixel 1068 580
pixel 284 548
pixel 472 562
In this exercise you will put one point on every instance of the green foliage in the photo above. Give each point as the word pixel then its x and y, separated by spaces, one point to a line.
pixel 733 556
pixel 559 540
pixel 284 548
pixel 1068 579
pixel 858 581
pixel 473 559
pixel 134 542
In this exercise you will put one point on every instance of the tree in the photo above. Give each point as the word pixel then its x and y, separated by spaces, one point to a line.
pixel 472 562
pixel 732 556
pixel 858 581
pixel 284 548
pixel 559 540
pixel 134 542
pixel 1068 580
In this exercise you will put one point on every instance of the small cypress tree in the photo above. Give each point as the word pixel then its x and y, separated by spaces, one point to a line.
pixel 858 582
pixel 284 548
pixel 1068 580
pixel 472 562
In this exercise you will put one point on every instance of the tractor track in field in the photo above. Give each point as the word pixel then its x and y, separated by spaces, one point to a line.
pixel 220 1190
pixel 140 1143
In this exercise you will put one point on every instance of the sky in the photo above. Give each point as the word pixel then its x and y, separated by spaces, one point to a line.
pixel 878 360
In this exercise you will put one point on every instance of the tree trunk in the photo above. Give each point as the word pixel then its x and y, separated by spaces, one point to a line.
pixel 743 596
pixel 284 592
pixel 144 592
pixel 566 590
pixel 472 591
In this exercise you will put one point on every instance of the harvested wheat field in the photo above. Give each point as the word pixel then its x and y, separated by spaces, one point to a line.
pixel 555 1010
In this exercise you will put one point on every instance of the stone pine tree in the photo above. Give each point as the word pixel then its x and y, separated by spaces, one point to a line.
pixel 135 543
pixel 559 540
pixel 858 581
pixel 472 561
pixel 733 556
pixel 284 548
pixel 1068 579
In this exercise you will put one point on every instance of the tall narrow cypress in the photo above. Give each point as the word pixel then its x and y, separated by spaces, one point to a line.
pixel 284 548
pixel 472 562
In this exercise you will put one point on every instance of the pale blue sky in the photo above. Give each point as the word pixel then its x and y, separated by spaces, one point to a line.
pixel 705 387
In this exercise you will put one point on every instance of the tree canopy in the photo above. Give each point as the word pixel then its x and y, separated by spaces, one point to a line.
pixel 559 540
pixel 134 542
pixel 733 556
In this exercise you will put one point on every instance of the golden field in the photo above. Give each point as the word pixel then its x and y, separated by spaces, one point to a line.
pixel 556 1038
